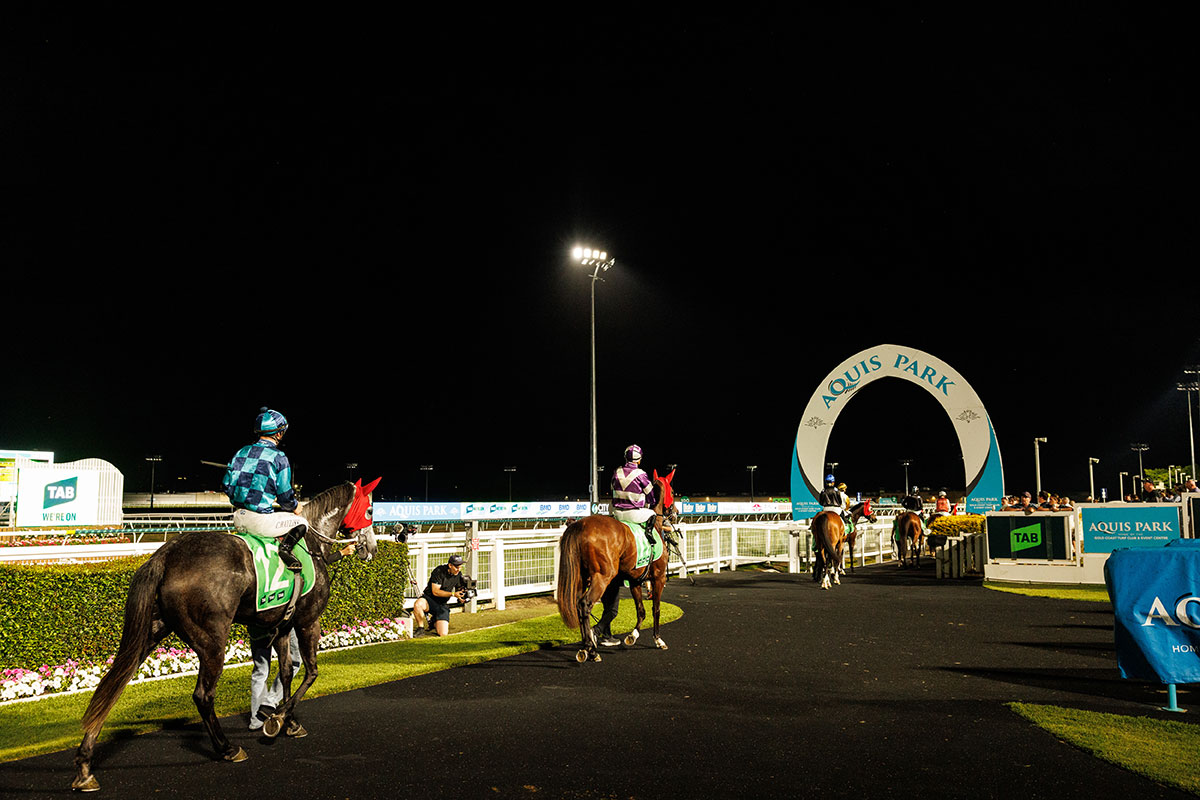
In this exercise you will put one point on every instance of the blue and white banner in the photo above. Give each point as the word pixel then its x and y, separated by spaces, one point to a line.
pixel 1128 525
pixel 460 511
pixel 1155 594
pixel 689 508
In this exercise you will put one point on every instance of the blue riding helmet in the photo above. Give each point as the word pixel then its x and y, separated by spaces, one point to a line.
pixel 269 422
pixel 633 453
pixel 829 478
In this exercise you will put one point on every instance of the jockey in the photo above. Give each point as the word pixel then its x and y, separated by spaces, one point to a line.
pixel 831 499
pixel 258 477
pixel 941 508
pixel 912 502
pixel 633 493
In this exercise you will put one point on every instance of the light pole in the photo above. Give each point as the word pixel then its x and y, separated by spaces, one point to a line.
pixel 906 462
pixel 1092 479
pixel 1139 448
pixel 597 261
pixel 1121 484
pixel 427 468
pixel 1037 463
pixel 751 469
pixel 153 460
pixel 1188 388
pixel 510 471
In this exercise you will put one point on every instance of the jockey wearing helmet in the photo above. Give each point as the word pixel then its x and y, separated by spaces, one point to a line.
pixel 831 498
pixel 941 507
pixel 633 493
pixel 258 477
pixel 912 502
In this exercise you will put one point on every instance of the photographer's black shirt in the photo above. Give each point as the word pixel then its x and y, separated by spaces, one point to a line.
pixel 441 577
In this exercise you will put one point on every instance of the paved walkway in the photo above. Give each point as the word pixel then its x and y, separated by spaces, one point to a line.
pixel 890 685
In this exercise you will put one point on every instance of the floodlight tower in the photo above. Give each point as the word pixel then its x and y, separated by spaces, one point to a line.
pixel 1139 448
pixel 598 262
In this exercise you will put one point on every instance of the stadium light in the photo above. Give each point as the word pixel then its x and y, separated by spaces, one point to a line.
pixel 598 262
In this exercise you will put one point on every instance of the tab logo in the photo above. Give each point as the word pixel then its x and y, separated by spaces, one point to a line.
pixel 1025 538
pixel 60 492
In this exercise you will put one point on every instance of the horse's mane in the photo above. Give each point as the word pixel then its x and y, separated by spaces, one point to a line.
pixel 326 503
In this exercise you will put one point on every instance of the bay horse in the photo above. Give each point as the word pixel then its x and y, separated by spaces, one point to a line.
pixel 858 511
pixel 829 535
pixel 909 534
pixel 595 554
pixel 197 585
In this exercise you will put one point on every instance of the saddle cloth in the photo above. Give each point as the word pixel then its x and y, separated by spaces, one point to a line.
pixel 645 553
pixel 273 580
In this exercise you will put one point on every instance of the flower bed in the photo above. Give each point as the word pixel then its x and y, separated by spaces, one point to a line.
pixel 40 539
pixel 18 684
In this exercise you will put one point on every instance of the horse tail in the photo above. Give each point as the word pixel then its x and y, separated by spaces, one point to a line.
pixel 136 641
pixel 569 575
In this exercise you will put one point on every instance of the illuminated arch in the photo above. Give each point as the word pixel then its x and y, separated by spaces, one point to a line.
pixel 981 455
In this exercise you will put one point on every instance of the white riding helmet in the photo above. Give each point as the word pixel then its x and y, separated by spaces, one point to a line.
pixel 633 453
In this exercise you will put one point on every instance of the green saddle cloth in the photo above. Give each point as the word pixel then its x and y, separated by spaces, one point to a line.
pixel 274 581
pixel 645 552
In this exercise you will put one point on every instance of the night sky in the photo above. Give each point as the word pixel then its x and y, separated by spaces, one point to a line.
pixel 365 223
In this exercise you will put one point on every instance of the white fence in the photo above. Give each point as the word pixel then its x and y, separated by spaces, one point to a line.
pixel 512 563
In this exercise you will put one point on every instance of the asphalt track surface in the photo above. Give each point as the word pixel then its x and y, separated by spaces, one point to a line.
pixel 893 684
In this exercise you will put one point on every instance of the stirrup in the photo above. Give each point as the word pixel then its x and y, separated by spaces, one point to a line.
pixel 289 560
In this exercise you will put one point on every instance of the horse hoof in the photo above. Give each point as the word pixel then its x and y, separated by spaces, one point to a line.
pixel 272 725
pixel 596 657
pixel 581 656
pixel 88 784
pixel 296 730
pixel 632 638
pixel 660 644
pixel 238 755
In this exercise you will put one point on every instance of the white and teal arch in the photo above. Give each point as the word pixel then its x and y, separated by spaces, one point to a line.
pixel 981 455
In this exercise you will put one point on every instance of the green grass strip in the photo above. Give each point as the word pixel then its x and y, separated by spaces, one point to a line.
pixel 52 724
pixel 1089 594
pixel 1161 750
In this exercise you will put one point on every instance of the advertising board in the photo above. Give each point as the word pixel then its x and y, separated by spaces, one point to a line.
pixel 1029 537
pixel 1121 525
pixel 58 497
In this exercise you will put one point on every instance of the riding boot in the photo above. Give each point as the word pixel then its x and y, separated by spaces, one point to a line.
pixel 286 543
pixel 650 531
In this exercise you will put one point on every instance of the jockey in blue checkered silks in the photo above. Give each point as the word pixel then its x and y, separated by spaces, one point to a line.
pixel 633 493
pixel 258 477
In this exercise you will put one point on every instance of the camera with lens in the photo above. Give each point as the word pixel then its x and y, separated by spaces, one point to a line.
pixel 468 588
pixel 404 532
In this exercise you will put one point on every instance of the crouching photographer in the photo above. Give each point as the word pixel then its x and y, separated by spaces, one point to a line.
pixel 446 581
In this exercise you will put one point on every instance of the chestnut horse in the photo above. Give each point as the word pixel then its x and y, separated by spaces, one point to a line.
pixel 829 535
pixel 909 534
pixel 197 585
pixel 595 554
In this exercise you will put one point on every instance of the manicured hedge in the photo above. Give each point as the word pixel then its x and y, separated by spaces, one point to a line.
pixel 50 614
pixel 957 524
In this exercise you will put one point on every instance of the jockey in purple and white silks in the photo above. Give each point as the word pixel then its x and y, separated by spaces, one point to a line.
pixel 633 493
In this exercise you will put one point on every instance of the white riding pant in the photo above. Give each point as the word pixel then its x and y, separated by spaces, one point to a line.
pixel 634 515
pixel 272 526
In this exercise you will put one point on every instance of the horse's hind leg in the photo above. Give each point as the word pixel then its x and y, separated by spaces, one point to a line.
pixel 106 694
pixel 210 648
pixel 589 597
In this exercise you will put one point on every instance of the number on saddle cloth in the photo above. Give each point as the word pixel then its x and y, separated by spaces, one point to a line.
pixel 274 580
